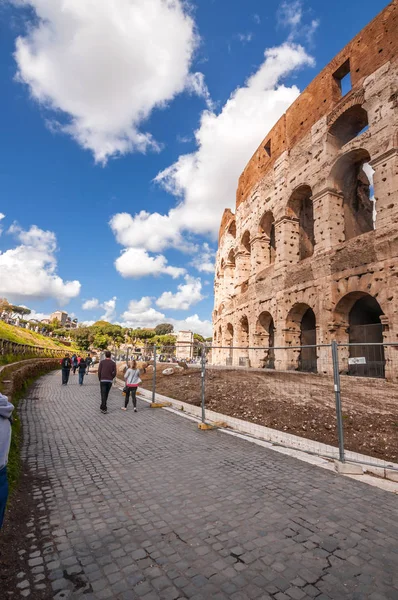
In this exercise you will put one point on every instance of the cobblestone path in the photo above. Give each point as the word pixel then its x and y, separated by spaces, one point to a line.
pixel 145 506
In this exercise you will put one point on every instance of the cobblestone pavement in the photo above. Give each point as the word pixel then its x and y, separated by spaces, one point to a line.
pixel 145 506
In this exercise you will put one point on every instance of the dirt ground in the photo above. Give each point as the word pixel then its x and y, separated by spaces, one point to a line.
pixel 298 403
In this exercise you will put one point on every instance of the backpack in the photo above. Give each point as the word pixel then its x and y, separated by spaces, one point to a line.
pixel 66 364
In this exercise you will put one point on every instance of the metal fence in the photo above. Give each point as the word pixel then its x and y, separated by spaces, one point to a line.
pixel 7 347
pixel 336 396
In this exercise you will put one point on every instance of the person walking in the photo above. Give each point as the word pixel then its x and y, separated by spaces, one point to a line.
pixel 82 370
pixel 74 363
pixel 132 379
pixel 88 363
pixel 6 409
pixel 106 375
pixel 66 365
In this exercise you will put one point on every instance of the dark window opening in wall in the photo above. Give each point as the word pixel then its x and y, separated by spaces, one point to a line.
pixel 353 183
pixel 300 205
pixel 352 123
pixel 231 258
pixel 232 229
pixel 365 328
pixel 267 228
pixel 266 337
pixel 343 77
pixel 308 356
pixel 246 241
pixel 267 148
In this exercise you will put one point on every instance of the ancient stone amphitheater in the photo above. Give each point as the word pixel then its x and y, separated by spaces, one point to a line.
pixel 311 253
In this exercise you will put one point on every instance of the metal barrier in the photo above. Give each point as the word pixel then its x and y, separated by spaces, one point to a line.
pixel 342 396
pixel 9 347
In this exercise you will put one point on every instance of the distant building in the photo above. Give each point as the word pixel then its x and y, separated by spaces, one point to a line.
pixel 184 345
pixel 64 319
pixel 61 317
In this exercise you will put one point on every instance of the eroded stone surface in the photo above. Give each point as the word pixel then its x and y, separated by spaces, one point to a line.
pixel 301 250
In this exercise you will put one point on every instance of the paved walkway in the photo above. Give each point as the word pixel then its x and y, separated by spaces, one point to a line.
pixel 143 505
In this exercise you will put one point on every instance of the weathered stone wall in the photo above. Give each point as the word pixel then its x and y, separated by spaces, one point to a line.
pixel 304 234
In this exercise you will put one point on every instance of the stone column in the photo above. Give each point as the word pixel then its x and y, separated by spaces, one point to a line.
pixel 242 273
pixel 328 207
pixel 229 279
pixel 260 256
pixel 287 241
pixel 385 182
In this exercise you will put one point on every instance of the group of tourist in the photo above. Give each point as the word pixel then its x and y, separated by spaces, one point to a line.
pixel 76 363
pixel 106 375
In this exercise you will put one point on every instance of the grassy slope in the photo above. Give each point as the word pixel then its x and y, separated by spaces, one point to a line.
pixel 23 336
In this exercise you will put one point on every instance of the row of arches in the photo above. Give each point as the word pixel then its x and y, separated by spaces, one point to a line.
pixel 353 214
pixel 358 315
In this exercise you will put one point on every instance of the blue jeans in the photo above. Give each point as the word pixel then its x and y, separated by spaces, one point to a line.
pixel 81 377
pixel 3 493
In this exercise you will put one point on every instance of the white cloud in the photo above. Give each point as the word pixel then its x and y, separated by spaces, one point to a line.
pixel 245 37
pixel 1 218
pixel 205 181
pixel 291 15
pixel 37 316
pixel 188 294
pixel 141 314
pixel 91 304
pixel 256 19
pixel 110 308
pixel 204 260
pixel 136 263
pixel 105 65
pixel 29 269
pixel 193 323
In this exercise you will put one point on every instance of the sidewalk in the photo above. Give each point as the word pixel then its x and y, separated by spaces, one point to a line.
pixel 143 505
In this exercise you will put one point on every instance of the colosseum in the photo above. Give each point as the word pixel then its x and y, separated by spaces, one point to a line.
pixel 311 253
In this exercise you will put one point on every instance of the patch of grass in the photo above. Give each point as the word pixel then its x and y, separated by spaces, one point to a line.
pixel 20 335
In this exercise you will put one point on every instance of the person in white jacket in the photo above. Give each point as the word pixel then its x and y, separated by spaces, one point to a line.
pixel 6 409
pixel 132 379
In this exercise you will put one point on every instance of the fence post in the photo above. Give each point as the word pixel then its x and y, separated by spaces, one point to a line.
pixel 203 395
pixel 154 375
pixel 337 393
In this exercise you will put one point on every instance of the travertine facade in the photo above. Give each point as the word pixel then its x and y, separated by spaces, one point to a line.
pixel 308 256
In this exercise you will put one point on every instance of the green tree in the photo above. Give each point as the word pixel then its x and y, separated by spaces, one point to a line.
pixel 101 341
pixel 198 337
pixel 164 329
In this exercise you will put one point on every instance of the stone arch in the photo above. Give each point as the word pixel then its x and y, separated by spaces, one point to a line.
pixel 348 125
pixel 245 241
pixel 267 233
pixel 232 229
pixel 360 315
pixel 300 210
pixel 265 338
pixel 231 258
pixel 301 331
pixel 349 179
pixel 229 342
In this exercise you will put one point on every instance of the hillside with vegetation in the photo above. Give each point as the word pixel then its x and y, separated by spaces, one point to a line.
pixel 20 335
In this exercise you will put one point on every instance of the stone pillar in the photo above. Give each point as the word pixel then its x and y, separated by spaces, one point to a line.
pixel 385 182
pixel 260 256
pixel 328 219
pixel 242 272
pixel 287 241
pixel 229 279
pixel 390 352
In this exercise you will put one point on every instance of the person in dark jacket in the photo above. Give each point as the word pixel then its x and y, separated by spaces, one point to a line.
pixel 106 375
pixel 82 370
pixel 66 365
pixel 74 363
pixel 88 363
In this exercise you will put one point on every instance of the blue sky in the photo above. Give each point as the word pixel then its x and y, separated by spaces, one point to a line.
pixel 111 109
